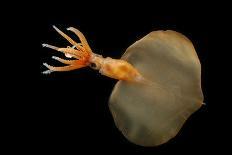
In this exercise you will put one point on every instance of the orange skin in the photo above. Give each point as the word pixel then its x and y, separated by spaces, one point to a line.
pixel 113 68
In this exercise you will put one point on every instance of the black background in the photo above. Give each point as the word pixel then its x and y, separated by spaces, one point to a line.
pixel 68 112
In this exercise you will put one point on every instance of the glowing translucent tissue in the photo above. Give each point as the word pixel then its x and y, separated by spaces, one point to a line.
pixel 159 83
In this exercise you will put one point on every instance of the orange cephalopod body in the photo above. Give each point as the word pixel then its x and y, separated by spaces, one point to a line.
pixel 113 68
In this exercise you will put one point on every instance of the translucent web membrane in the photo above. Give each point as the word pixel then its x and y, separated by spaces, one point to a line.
pixel 80 51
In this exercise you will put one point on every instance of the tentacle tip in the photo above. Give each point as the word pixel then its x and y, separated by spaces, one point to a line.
pixel 54 26
pixel 54 57
pixel 47 72
pixel 44 45
pixel 46 65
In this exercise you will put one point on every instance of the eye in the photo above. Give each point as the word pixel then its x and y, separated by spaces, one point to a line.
pixel 93 65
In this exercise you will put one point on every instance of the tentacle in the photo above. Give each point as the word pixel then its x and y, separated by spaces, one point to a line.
pixel 68 62
pixel 70 40
pixel 84 48
pixel 81 37
pixel 65 36
pixel 61 69
pixel 75 53
pixel 50 46
pixel 78 46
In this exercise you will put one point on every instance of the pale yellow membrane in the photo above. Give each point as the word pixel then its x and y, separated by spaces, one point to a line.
pixel 153 113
